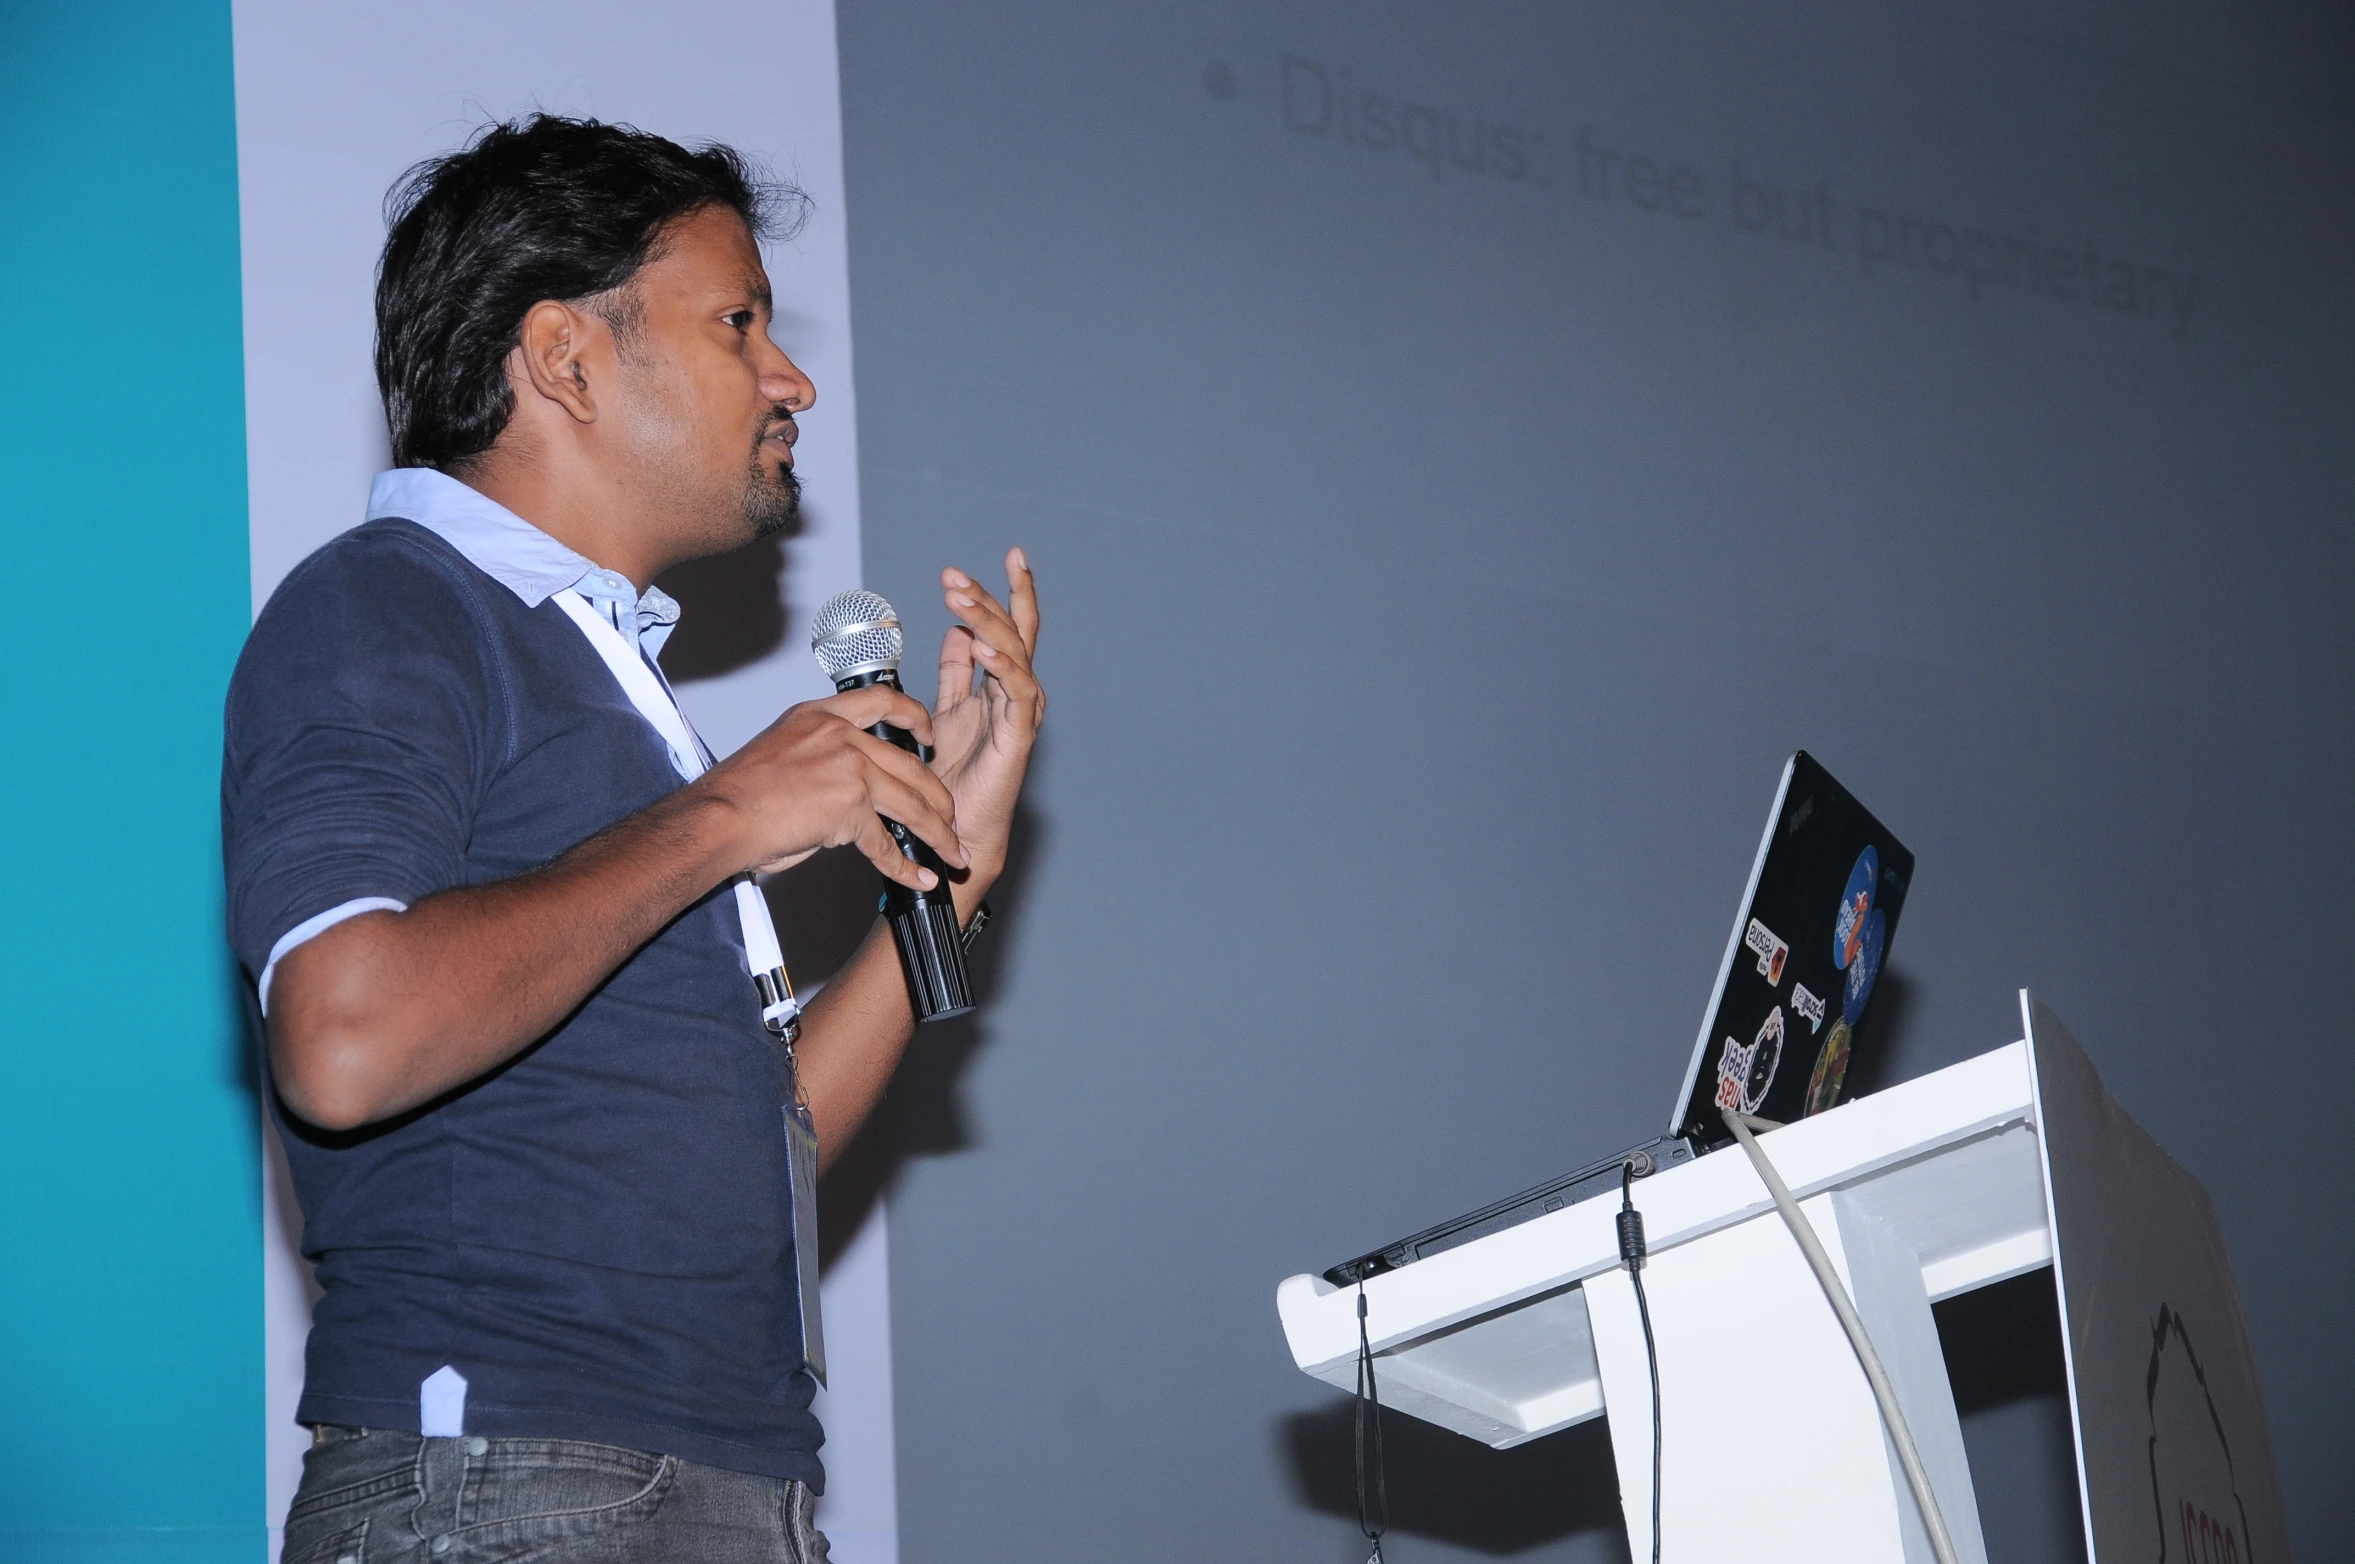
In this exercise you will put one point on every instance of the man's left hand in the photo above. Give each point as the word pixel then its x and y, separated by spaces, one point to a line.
pixel 982 735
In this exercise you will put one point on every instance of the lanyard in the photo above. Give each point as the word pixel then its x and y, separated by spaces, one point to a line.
pixel 780 1011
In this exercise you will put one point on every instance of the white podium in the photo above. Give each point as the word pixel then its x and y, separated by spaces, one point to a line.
pixel 1773 1448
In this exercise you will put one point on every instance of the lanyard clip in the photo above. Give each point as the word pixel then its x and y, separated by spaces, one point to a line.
pixel 780 1012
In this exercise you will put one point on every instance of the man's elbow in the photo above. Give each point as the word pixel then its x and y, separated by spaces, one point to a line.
pixel 322 1076
pixel 336 1106
pixel 326 1039
pixel 328 1051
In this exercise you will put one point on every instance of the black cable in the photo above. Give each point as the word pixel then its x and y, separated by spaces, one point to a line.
pixel 1631 1254
pixel 1372 1519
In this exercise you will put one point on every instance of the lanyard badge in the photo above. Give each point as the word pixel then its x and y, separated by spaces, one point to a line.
pixel 801 1155
pixel 781 1014
pixel 780 1011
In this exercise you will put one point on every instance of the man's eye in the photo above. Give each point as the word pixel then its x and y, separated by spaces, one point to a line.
pixel 741 320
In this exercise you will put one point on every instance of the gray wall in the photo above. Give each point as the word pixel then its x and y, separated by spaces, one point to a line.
pixel 1440 562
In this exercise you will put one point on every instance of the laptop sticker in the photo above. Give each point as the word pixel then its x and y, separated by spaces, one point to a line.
pixel 1806 1004
pixel 1771 951
pixel 1744 1073
pixel 1856 905
pixel 1831 1068
pixel 1865 967
pixel 1733 1063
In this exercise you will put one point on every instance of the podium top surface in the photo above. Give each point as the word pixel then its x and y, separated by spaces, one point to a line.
pixel 1491 1338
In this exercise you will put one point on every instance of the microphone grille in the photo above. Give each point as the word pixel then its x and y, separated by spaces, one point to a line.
pixel 856 632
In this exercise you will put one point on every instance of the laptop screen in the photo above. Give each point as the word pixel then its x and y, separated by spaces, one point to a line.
pixel 1804 960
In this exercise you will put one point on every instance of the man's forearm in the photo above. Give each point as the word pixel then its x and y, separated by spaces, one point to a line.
pixel 857 1030
pixel 852 1040
pixel 390 1010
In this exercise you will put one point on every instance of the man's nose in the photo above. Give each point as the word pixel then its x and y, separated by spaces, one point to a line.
pixel 781 380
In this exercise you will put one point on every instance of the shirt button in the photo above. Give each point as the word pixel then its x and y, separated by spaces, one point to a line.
pixel 441 1544
pixel 478 1445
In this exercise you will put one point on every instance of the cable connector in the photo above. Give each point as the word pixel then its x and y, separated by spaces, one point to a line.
pixel 1631 1237
pixel 1631 1221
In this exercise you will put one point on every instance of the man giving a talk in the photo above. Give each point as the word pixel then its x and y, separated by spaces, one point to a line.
pixel 536 1124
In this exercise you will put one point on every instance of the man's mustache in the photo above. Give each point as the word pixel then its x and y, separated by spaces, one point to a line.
pixel 779 417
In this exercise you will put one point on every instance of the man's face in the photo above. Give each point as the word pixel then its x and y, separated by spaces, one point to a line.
pixel 708 400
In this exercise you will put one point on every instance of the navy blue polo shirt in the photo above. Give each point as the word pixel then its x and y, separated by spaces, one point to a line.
pixel 596 1237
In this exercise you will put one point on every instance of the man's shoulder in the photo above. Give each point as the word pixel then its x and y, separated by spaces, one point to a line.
pixel 386 600
pixel 389 566
pixel 386 581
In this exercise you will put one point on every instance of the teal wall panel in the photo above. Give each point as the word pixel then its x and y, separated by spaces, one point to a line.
pixel 130 1311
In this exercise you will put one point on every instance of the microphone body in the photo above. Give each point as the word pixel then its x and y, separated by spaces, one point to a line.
pixel 857 640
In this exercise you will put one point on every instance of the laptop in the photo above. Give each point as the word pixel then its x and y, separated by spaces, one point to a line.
pixel 1778 1039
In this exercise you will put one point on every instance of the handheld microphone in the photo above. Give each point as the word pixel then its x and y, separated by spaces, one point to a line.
pixel 857 639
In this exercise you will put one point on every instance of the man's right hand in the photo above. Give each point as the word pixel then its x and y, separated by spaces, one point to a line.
pixel 816 778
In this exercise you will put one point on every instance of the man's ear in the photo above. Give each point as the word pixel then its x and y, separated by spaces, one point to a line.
pixel 553 354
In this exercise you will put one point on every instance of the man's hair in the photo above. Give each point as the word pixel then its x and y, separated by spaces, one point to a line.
pixel 541 208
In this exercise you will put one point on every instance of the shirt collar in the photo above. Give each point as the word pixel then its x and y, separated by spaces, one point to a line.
pixel 513 552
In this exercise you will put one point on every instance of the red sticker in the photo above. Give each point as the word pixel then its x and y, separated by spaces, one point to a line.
pixel 1770 949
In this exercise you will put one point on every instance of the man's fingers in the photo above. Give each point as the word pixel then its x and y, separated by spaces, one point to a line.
pixel 956 668
pixel 909 791
pixel 876 841
pixel 818 777
pixel 990 624
pixel 881 703
pixel 895 800
pixel 1022 591
pixel 1013 675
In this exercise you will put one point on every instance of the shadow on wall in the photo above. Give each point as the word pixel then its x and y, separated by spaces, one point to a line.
pixel 1449 1488
pixel 2002 1346
pixel 249 1041
pixel 820 924
pixel 733 615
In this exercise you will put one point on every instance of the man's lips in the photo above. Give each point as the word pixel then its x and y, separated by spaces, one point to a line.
pixel 782 435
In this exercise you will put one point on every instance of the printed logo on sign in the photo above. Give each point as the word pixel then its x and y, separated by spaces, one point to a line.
pixel 1771 951
pixel 2192 1479
pixel 1809 1006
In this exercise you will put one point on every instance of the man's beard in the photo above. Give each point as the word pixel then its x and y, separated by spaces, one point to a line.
pixel 771 505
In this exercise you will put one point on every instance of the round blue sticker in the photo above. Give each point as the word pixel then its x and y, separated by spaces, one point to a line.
pixel 1865 968
pixel 1855 903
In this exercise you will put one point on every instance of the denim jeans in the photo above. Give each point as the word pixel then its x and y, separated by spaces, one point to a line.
pixel 370 1496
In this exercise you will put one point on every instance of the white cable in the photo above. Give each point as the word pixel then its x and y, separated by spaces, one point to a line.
pixel 1819 1262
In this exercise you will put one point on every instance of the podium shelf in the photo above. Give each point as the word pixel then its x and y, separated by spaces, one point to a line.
pixel 1492 1339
